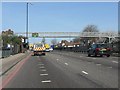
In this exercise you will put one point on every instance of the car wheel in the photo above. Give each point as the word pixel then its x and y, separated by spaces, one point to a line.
pixel 43 53
pixel 108 55
pixel 95 54
pixel 89 55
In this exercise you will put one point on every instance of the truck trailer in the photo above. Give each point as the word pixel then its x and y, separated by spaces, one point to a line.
pixel 39 49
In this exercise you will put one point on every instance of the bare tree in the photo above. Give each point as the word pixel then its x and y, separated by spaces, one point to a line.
pixel 91 28
pixel 54 41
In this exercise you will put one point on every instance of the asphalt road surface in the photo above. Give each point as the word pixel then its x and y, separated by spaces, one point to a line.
pixel 65 70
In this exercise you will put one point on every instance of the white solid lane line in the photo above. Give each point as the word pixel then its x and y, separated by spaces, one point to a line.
pixel 46 81
pixel 43 74
pixel 84 72
pixel 114 61
pixel 66 63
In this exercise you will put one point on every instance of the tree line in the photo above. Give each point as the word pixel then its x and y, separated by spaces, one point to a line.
pixel 8 37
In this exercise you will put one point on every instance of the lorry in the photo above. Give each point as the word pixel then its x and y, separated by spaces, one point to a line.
pixel 39 49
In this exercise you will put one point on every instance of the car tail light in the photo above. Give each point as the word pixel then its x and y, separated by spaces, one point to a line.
pixel 109 49
pixel 97 49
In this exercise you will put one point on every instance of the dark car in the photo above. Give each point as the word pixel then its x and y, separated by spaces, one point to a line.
pixel 99 49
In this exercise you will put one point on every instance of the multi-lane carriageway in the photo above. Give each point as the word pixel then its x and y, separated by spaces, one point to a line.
pixel 60 69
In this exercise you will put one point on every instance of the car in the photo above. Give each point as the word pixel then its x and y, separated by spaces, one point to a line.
pixel 51 49
pixel 99 49
pixel 47 50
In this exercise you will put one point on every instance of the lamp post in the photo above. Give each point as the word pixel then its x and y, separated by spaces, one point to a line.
pixel 27 24
pixel 27 20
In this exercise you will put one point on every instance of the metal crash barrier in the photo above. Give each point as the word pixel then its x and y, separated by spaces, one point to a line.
pixel 83 49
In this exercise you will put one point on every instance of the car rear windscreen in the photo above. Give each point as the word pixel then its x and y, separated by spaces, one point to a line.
pixel 102 45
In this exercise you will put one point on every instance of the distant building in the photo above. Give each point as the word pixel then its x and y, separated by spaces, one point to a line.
pixel 65 43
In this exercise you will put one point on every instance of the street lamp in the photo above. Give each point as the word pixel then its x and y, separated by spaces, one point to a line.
pixel 27 22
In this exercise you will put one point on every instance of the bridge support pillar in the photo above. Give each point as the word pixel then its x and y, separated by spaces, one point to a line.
pixel 109 40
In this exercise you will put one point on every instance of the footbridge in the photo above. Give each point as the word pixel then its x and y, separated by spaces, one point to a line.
pixel 70 34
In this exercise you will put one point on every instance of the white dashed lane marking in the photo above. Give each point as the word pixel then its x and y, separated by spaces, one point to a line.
pixel 43 70
pixel 46 81
pixel 93 58
pixel 43 74
pixel 41 67
pixel 109 67
pixel 66 63
pixel 98 64
pixel 41 64
pixel 57 59
pixel 115 57
pixel 89 62
pixel 84 72
pixel 114 61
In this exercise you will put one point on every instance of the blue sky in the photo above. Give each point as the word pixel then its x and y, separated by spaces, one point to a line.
pixel 60 16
